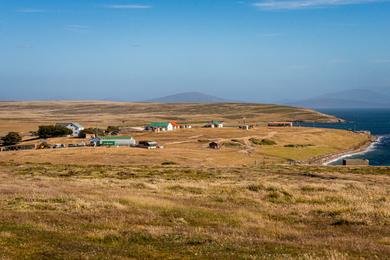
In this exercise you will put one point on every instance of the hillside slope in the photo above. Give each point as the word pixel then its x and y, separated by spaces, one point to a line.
pixel 27 116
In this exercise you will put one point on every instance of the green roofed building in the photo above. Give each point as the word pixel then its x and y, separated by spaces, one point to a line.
pixel 215 124
pixel 159 126
pixel 114 141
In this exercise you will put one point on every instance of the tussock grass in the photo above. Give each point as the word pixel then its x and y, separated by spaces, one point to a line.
pixel 262 141
pixel 70 211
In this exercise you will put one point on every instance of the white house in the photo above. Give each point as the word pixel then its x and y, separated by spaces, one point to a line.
pixel 160 126
pixel 75 127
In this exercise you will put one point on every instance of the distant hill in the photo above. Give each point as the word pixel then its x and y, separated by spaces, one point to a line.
pixel 354 98
pixel 189 97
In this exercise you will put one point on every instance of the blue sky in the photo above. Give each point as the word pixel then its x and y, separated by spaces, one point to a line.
pixel 261 51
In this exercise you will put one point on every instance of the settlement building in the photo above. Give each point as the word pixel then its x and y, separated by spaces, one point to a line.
pixel 280 124
pixel 75 127
pixel 174 125
pixel 160 126
pixel 114 141
pixel 184 125
pixel 215 124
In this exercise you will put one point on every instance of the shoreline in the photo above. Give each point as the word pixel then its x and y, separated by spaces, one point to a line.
pixel 364 148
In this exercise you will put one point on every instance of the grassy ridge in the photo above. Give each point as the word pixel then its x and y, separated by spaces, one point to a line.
pixel 27 116
pixel 65 211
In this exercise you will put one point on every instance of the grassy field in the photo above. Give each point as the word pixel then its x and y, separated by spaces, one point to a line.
pixel 188 201
pixel 27 116
pixel 52 211
pixel 189 147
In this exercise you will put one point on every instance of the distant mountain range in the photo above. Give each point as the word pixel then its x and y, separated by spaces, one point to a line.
pixel 189 97
pixel 354 98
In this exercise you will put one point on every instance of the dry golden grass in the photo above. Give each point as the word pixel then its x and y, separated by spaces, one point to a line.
pixel 184 147
pixel 188 201
pixel 278 212
pixel 189 147
pixel 27 116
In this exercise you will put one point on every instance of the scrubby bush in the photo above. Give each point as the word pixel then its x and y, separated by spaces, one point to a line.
pixel 96 131
pixel 298 145
pixel 11 138
pixel 255 187
pixel 231 144
pixel 168 163
pixel 262 142
pixel 112 128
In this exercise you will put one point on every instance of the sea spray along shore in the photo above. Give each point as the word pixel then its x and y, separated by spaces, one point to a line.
pixel 361 148
pixel 375 121
pixel 366 148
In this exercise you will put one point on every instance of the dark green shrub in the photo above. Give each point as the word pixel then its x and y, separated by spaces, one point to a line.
pixel 112 128
pixel 96 131
pixel 11 138
pixel 262 142
pixel 48 131
pixel 168 163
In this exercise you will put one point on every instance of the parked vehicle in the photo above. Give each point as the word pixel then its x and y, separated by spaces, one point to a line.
pixel 58 146
pixel 148 144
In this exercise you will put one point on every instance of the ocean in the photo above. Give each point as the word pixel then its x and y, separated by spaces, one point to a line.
pixel 377 121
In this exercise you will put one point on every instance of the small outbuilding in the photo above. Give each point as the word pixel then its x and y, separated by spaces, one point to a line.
pixel 246 127
pixel 214 145
pixel 356 162
pixel 184 125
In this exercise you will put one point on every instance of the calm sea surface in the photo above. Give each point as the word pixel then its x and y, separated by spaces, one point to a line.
pixel 377 121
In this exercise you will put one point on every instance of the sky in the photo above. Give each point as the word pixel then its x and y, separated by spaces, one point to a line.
pixel 260 50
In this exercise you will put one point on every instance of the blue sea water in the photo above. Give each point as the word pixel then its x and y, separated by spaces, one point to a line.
pixel 377 121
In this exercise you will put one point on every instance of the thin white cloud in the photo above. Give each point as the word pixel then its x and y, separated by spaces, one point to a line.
pixel 30 10
pixel 128 6
pixel 308 4
pixel 77 28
